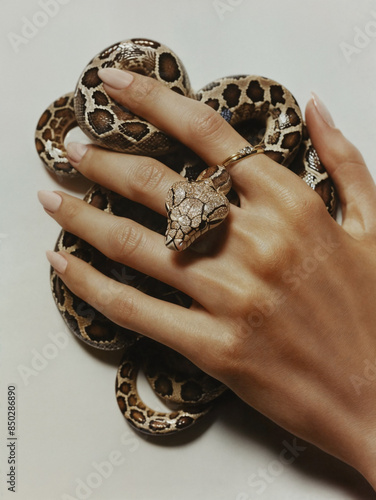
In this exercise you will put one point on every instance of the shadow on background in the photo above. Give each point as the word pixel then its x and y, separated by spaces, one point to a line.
pixel 233 413
pixel 312 462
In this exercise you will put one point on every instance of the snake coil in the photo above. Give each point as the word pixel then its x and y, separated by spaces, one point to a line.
pixel 262 110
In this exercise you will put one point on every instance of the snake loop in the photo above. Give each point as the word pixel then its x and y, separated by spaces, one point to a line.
pixel 268 117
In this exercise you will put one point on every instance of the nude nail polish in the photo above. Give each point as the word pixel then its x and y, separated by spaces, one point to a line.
pixel 116 78
pixel 322 110
pixel 50 200
pixel 57 261
pixel 76 151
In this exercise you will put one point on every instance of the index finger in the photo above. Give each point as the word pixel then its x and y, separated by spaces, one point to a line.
pixel 194 124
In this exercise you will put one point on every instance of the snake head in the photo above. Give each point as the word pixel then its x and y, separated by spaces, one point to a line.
pixel 193 207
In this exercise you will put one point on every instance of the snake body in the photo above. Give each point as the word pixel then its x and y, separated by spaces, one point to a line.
pixel 262 110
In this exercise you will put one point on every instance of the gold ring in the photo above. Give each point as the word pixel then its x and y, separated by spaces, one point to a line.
pixel 242 153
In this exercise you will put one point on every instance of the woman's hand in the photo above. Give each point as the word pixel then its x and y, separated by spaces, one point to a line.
pixel 284 311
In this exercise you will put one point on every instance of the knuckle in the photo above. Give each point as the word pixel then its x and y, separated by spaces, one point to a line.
pixel 125 309
pixel 218 351
pixel 147 177
pixel 292 198
pixel 241 296
pixel 307 210
pixel 229 347
pixel 304 206
pixel 272 256
pixel 206 122
pixel 230 351
pixel 124 239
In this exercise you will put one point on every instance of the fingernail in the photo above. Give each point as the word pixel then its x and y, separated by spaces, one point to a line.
pixel 57 261
pixel 322 110
pixel 115 78
pixel 51 201
pixel 76 151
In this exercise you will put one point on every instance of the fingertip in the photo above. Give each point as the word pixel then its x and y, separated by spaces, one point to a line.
pixel 310 111
pixel 57 260
pixel 322 110
pixel 333 148
pixel 50 200
pixel 346 167
pixel 76 151
pixel 114 78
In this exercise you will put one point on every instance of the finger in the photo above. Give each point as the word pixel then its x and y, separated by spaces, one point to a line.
pixel 146 180
pixel 180 328
pixel 125 241
pixel 346 166
pixel 119 238
pixel 138 178
pixel 193 123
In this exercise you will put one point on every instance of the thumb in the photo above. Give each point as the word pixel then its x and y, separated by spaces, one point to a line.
pixel 345 165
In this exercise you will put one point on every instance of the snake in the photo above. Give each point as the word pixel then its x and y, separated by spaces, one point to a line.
pixel 263 111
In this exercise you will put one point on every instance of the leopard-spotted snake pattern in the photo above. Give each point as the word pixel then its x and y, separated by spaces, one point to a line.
pixel 262 110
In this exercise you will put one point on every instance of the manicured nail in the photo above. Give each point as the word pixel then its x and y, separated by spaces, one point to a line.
pixel 322 110
pixel 57 261
pixel 51 201
pixel 76 151
pixel 115 78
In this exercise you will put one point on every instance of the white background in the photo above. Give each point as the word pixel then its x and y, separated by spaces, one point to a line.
pixel 68 420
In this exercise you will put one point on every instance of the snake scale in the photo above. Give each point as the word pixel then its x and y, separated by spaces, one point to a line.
pixel 262 110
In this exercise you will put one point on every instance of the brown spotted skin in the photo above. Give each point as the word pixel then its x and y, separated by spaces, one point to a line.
pixel 173 378
pixel 83 320
pixel 112 126
pixel 53 126
pixel 262 110
pixel 273 110
pixel 105 122
pixel 192 390
pixel 241 98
